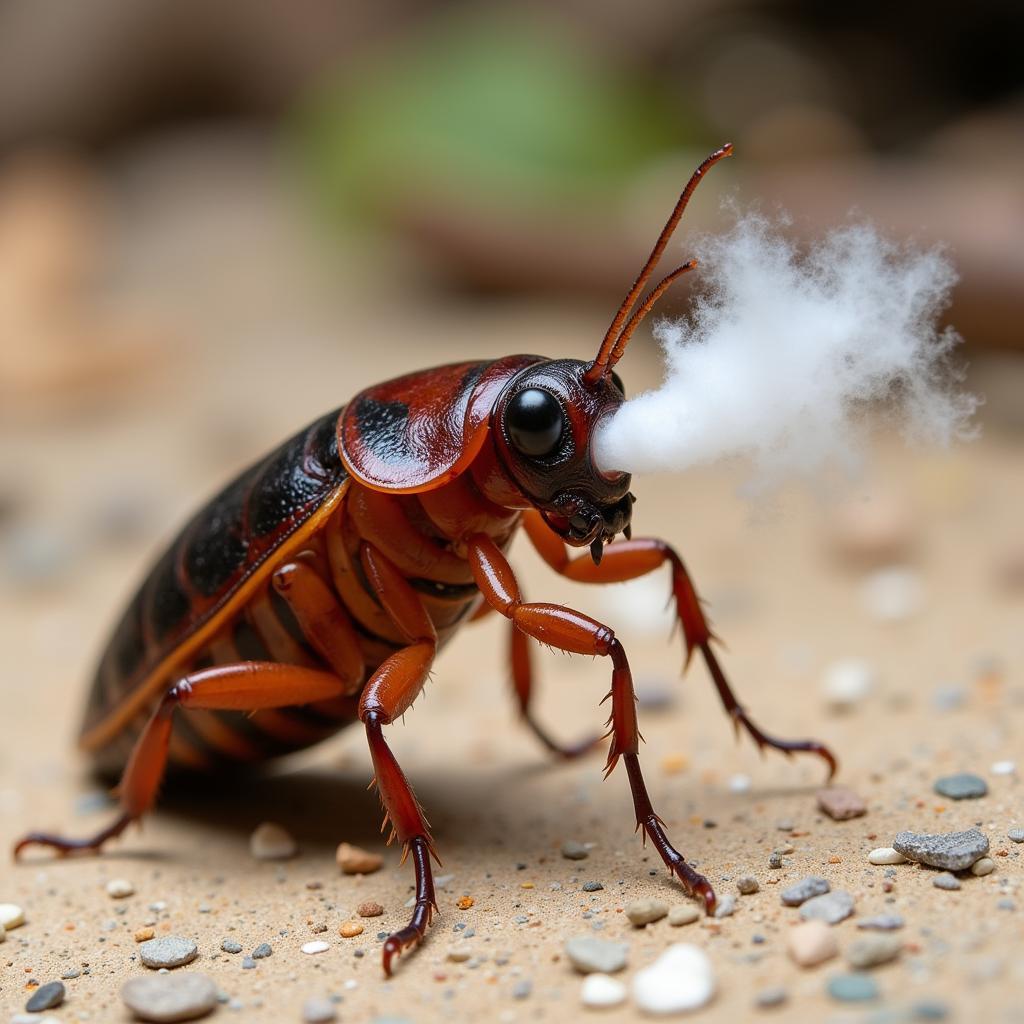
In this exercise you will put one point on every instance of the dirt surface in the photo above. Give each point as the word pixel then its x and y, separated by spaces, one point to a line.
pixel 948 696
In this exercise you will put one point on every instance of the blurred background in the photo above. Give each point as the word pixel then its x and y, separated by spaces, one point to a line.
pixel 217 221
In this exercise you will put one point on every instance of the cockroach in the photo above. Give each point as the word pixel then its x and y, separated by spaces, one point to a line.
pixel 316 589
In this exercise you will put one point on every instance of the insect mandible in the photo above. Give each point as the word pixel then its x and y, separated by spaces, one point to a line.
pixel 316 589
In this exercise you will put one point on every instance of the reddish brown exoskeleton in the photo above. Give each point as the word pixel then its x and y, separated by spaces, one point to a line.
pixel 315 590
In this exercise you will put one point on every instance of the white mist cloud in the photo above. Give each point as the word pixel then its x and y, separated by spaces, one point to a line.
pixel 782 353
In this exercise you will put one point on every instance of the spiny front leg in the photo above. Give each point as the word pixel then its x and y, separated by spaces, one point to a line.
pixel 629 559
pixel 572 631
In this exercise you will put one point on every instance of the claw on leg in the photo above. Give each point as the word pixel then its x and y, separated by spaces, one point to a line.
pixel 423 911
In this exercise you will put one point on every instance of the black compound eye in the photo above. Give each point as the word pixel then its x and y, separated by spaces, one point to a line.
pixel 617 380
pixel 534 421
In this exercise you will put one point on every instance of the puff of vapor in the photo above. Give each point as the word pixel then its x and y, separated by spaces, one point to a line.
pixel 782 354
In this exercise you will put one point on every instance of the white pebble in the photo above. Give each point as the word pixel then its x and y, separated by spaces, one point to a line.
pixel 11 915
pixel 893 594
pixel 1004 767
pixel 602 990
pixel 317 946
pixel 680 979
pixel 847 682
pixel 119 888
pixel 886 855
pixel 685 913
pixel 270 841
pixel 460 954
pixel 984 866
pixel 739 783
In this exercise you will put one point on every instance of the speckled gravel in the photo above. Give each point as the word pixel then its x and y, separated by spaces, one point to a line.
pixel 831 908
pixel 806 888
pixel 954 851
pixel 168 951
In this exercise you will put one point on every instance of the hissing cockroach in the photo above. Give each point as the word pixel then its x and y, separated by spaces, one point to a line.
pixel 316 589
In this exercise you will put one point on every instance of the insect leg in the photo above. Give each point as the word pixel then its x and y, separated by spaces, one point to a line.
pixel 576 633
pixel 628 559
pixel 388 694
pixel 522 682
pixel 245 686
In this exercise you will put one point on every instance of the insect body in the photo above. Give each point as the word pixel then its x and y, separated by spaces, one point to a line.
pixel 315 591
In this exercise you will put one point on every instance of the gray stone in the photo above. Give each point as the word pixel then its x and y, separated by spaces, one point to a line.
pixel 592 886
pixel 46 997
pixel 831 908
pixel 168 951
pixel 881 923
pixel 962 786
pixel 1016 835
pixel 853 988
pixel 946 881
pixel 873 950
pixel 589 955
pixel 954 851
pixel 747 885
pixel 165 998
pixel 813 885
pixel 572 850
pixel 230 946
pixel 318 1010
pixel 929 1009
pixel 768 997
pixel 262 951
pixel 641 912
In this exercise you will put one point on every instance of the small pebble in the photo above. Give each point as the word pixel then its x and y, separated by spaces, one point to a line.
pixel 170 997
pixel 748 885
pixel 46 997
pixel 350 929
pixel 946 881
pixel 682 978
pixel 1003 767
pixel 1016 835
pixel 769 997
pixel 881 923
pixel 318 946
pixel 318 1010
pixel 775 860
pixel 841 803
pixel 641 912
pixel 522 989
pixel 726 905
pixel 460 954
pixel 590 955
pixel 144 934
pixel 119 888
pixel 812 885
pixel 368 908
pixel 355 861
pixel 230 946
pixel 873 950
pixel 739 784
pixel 831 908
pixel 248 964
pixel 812 943
pixel 929 1009
pixel 168 951
pixel 599 990
pixel 954 851
pixel 271 841
pixel 985 866
pixel 11 916
pixel 262 951
pixel 592 886
pixel 893 594
pixel 853 988
pixel 886 855
pixel 685 913
pixel 572 850
pixel 846 683
pixel 963 786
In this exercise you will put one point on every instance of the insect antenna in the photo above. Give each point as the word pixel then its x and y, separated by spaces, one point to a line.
pixel 617 336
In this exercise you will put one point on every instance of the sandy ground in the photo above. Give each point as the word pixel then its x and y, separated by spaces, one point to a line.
pixel 499 808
